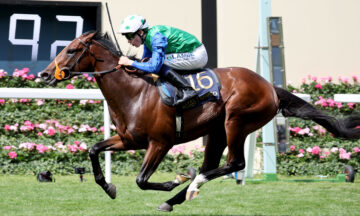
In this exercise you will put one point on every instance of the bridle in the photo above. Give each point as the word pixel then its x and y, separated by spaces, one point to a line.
pixel 65 73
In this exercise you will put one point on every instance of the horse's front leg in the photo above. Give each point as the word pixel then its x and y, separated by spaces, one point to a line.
pixel 112 144
pixel 154 155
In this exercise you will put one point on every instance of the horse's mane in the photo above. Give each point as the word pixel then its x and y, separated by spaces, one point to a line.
pixel 106 41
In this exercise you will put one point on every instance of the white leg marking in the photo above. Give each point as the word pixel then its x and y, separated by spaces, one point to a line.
pixel 196 184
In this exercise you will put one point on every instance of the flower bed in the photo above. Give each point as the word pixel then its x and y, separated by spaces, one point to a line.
pixel 38 134
pixel 313 150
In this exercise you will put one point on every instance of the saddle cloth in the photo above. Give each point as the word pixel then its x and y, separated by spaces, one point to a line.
pixel 205 82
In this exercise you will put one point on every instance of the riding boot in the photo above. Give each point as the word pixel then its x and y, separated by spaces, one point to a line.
pixel 182 85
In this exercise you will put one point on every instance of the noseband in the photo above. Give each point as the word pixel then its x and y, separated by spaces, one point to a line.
pixel 67 72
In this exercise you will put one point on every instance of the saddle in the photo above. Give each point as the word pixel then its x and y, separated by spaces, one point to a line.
pixel 205 82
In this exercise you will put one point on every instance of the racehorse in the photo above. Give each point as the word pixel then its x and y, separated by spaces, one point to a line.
pixel 247 102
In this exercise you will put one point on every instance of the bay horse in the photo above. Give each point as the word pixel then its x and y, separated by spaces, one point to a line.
pixel 143 121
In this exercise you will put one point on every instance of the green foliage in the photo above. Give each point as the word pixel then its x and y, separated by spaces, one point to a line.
pixel 322 98
pixel 69 123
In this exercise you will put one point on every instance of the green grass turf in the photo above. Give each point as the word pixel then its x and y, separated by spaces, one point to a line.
pixel 23 195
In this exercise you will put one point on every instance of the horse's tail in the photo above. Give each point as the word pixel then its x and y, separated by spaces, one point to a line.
pixel 293 106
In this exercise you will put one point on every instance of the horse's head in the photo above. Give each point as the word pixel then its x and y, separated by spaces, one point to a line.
pixel 74 58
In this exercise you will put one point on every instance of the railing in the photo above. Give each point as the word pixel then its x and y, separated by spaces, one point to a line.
pixel 75 94
pixel 347 98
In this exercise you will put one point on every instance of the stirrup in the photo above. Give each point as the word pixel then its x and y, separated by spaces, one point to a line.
pixel 183 100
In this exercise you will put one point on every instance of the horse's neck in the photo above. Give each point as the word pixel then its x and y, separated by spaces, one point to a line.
pixel 123 93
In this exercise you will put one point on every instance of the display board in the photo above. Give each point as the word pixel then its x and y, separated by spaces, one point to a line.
pixel 33 32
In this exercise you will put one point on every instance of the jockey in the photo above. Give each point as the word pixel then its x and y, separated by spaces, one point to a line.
pixel 169 48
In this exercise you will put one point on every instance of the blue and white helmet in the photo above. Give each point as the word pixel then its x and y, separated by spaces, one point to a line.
pixel 133 23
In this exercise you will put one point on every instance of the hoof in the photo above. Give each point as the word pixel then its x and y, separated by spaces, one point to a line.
pixel 191 195
pixel 111 191
pixel 165 207
pixel 191 173
pixel 182 178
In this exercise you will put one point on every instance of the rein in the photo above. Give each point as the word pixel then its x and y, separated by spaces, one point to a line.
pixel 66 72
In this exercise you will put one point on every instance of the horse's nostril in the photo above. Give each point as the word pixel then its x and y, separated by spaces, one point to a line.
pixel 44 74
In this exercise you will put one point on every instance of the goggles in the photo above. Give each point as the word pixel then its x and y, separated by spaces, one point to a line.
pixel 130 36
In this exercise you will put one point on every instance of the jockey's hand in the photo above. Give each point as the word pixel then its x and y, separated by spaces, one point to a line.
pixel 125 61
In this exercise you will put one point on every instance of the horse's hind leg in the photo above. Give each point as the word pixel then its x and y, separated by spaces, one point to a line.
pixel 113 143
pixel 235 141
pixel 214 149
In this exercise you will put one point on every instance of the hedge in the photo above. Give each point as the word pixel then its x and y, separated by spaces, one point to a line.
pixel 37 134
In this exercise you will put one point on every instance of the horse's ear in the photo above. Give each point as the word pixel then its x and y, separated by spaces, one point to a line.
pixel 91 35
pixel 106 35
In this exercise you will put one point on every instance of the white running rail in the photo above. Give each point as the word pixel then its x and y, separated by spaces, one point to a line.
pixel 75 94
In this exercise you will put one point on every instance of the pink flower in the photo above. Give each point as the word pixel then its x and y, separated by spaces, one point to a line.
pixel 309 149
pixel 76 142
pixel 314 78
pixel 69 104
pixel 300 155
pixel 50 131
pixel 69 86
pixel 326 153
pixel 331 102
pixel 190 154
pixel 72 148
pixel 334 149
pixel 301 151
pixel 7 147
pixel 41 148
pixel 351 105
pixel 330 78
pixel 356 149
pixel 131 151
pixel 295 129
pixel 318 86
pixel 39 102
pixel 7 127
pixel 12 155
pixel 94 129
pixel 70 130
pixel 316 127
pixel 346 80
pixel 316 150
pixel 83 147
pixel 292 148
pixel 304 131
pixel 339 105
pixel 102 128
pixel 355 78
pixel 39 134
pixel 322 131
pixel 2 102
pixel 345 156
pixel 342 151
pixel 27 145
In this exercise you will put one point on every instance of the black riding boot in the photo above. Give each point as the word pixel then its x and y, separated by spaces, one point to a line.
pixel 182 85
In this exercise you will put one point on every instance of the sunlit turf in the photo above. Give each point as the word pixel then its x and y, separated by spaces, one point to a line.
pixel 23 195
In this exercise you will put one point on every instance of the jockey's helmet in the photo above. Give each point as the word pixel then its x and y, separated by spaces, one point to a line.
pixel 132 24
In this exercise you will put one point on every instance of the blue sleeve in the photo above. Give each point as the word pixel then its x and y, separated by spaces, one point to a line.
pixel 147 52
pixel 159 43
